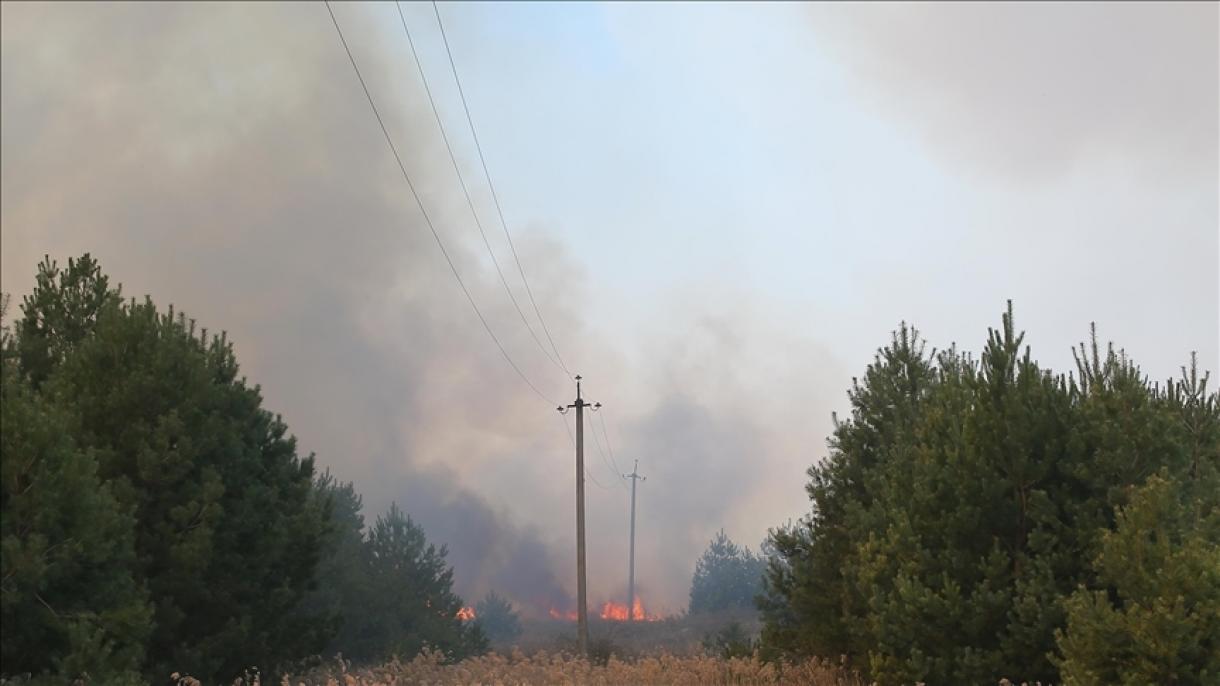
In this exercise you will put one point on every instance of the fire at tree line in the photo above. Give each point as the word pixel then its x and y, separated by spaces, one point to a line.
pixel 972 517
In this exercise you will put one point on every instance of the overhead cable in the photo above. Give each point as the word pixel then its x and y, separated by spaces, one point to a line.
pixel 423 210
pixel 466 191
pixel 494 196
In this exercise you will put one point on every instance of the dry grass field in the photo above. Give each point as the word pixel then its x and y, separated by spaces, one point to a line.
pixel 667 652
pixel 543 668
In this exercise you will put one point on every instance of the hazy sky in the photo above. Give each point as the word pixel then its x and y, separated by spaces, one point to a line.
pixel 723 210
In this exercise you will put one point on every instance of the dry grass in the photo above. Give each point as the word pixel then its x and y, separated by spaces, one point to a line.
pixel 675 635
pixel 543 668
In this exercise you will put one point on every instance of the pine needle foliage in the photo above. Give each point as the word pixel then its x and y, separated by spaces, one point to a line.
pixel 964 502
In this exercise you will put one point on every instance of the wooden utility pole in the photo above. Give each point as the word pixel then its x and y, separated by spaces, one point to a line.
pixel 635 478
pixel 582 604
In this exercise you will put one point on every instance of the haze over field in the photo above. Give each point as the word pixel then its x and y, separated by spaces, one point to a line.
pixel 721 208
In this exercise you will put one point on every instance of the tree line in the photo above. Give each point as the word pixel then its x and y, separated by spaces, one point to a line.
pixel 974 519
pixel 977 519
pixel 155 518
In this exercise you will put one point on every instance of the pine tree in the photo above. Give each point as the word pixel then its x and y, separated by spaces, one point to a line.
pixel 1155 616
pixel 961 503
pixel 726 577
pixel 228 525
pixel 407 601
pixel 69 604
pixel 497 618
pixel 806 576
pixel 62 311
pixel 340 589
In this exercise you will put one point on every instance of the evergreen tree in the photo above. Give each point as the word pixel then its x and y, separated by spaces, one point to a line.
pixel 62 311
pixel 69 604
pixel 408 601
pixel 497 618
pixel 806 573
pixel 950 517
pixel 228 524
pixel 341 584
pixel 1155 618
pixel 726 577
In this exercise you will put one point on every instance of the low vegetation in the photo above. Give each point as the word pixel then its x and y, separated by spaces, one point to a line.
pixel 556 668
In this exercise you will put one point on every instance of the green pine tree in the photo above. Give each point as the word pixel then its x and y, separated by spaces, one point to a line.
pixel 726 577
pixel 69 603
pixel 407 600
pixel 341 584
pixel 806 574
pixel 1154 617
pixel 962 501
pixel 228 524
pixel 497 618
pixel 61 311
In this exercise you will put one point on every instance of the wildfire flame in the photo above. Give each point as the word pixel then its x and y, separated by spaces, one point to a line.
pixel 618 613
pixel 556 614
pixel 612 611
pixel 465 614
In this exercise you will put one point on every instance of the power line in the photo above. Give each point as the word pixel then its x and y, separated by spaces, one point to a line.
pixel 595 481
pixel 608 446
pixel 427 219
pixel 466 191
pixel 573 442
pixel 494 196
pixel 611 465
pixel 597 442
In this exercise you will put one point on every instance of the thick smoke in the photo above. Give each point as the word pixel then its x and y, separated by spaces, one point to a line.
pixel 221 157
pixel 1030 90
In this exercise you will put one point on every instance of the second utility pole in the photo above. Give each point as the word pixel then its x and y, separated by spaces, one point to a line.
pixel 582 605
pixel 635 478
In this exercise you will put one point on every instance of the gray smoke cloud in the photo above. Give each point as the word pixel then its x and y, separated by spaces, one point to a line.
pixel 1027 91
pixel 222 158
pixel 1090 135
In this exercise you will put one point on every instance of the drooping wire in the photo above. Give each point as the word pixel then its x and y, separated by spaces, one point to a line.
pixel 572 440
pixel 608 446
pixel 494 196
pixel 618 476
pixel 466 191
pixel 610 464
pixel 427 219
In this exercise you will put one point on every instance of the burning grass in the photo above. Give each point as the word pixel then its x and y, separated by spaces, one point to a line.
pixel 618 613
pixel 680 635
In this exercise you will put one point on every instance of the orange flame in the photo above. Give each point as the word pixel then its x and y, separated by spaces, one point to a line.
pixel 466 614
pixel 612 611
pixel 618 613
pixel 556 614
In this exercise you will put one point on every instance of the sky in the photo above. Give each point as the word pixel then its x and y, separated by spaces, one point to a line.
pixel 722 210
